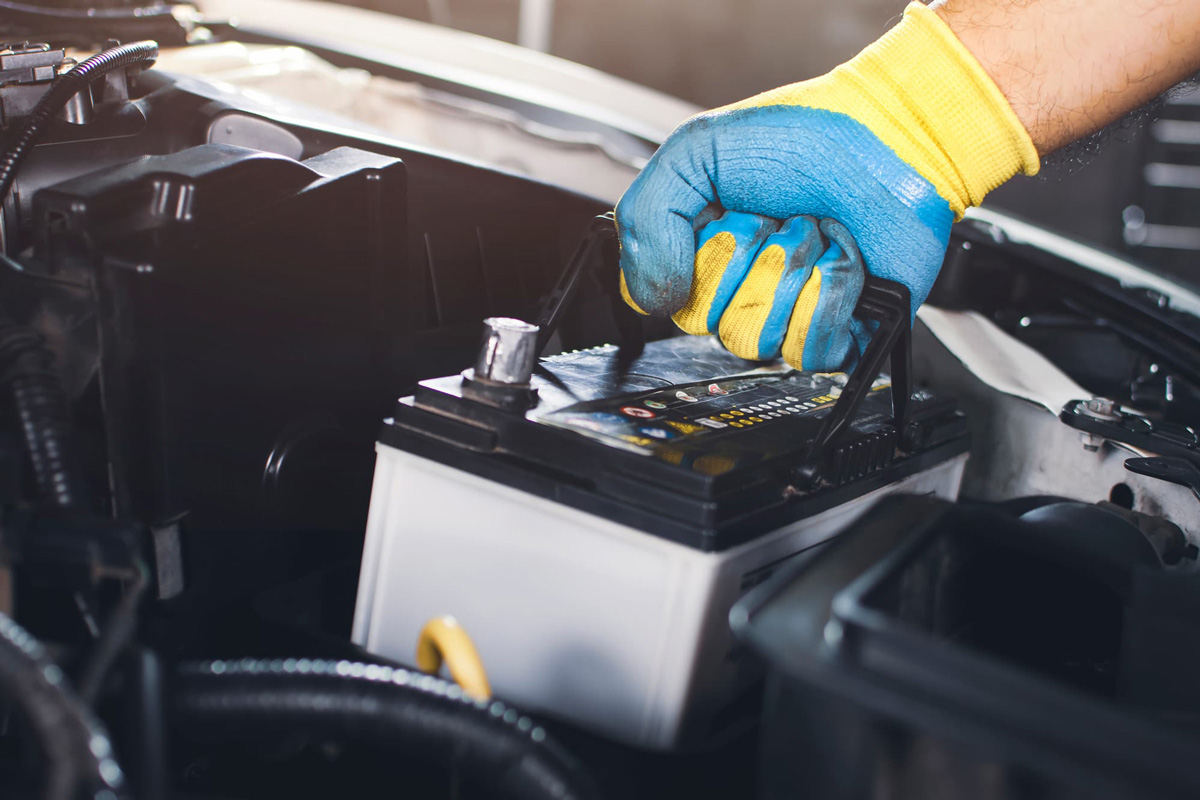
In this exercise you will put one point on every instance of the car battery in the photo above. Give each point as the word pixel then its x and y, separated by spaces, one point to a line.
pixel 592 527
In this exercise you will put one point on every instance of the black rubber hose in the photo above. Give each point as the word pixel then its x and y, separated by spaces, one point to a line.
pixel 426 717
pixel 79 755
pixel 42 408
pixel 57 97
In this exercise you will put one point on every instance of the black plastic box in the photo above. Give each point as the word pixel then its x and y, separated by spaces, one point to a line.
pixel 943 650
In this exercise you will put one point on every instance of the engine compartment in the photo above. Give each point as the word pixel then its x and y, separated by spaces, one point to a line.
pixel 211 306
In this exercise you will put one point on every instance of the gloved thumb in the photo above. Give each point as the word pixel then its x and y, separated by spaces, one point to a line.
pixel 656 221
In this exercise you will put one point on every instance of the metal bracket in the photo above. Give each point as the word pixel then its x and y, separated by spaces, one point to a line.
pixel 1179 471
pixel 1104 420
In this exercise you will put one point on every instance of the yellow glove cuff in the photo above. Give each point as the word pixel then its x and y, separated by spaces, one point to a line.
pixel 922 93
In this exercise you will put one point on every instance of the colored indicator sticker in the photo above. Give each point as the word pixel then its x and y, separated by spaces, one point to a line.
pixel 657 406
pixel 661 434
pixel 640 441
pixel 685 397
pixel 685 428
pixel 715 424
pixel 635 411
pixel 671 455
pixel 715 389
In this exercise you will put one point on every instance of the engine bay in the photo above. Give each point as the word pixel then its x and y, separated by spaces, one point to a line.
pixel 254 458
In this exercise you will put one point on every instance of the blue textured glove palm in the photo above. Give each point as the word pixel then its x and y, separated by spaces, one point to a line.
pixel 773 170
pixel 756 222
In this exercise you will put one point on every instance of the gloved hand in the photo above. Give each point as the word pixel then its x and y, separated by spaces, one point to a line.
pixel 750 220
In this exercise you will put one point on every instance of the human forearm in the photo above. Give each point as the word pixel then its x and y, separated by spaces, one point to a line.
pixel 1070 67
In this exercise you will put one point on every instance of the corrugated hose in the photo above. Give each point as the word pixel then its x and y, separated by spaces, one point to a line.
pixel 484 740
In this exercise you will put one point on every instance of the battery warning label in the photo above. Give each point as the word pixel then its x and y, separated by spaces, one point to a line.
pixel 686 413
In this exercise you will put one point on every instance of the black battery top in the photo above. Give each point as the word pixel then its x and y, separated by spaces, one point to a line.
pixel 687 442
pixel 689 402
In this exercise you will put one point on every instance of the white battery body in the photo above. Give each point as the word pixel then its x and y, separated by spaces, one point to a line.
pixel 575 616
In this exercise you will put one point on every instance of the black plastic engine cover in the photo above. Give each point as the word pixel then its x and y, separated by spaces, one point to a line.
pixel 247 305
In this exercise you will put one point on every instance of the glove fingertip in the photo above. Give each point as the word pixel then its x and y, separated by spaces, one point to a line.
pixel 656 268
pixel 624 287
pixel 841 355
pixel 738 339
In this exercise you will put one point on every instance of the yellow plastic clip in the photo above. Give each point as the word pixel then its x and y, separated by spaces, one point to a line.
pixel 443 639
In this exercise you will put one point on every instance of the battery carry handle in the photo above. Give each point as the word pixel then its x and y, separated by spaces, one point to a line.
pixel 886 302
pixel 890 304
pixel 596 251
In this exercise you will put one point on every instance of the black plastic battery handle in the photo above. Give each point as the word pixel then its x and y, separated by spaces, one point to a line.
pixel 885 302
pixel 596 251
pixel 890 305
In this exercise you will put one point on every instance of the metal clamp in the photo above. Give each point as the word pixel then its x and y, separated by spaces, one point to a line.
pixel 1099 419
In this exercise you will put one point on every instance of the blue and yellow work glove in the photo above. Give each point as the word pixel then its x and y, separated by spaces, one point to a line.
pixel 754 221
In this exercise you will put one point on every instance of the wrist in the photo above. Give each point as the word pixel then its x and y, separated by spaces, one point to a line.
pixel 976 141
pixel 1070 67
pixel 919 90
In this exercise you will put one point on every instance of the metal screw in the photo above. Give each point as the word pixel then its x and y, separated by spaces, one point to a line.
pixel 1100 408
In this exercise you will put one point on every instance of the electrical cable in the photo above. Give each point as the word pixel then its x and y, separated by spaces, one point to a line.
pixel 59 94
pixel 43 412
pixel 426 717
pixel 76 747
pixel 443 640
pixel 116 635
pixel 145 750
